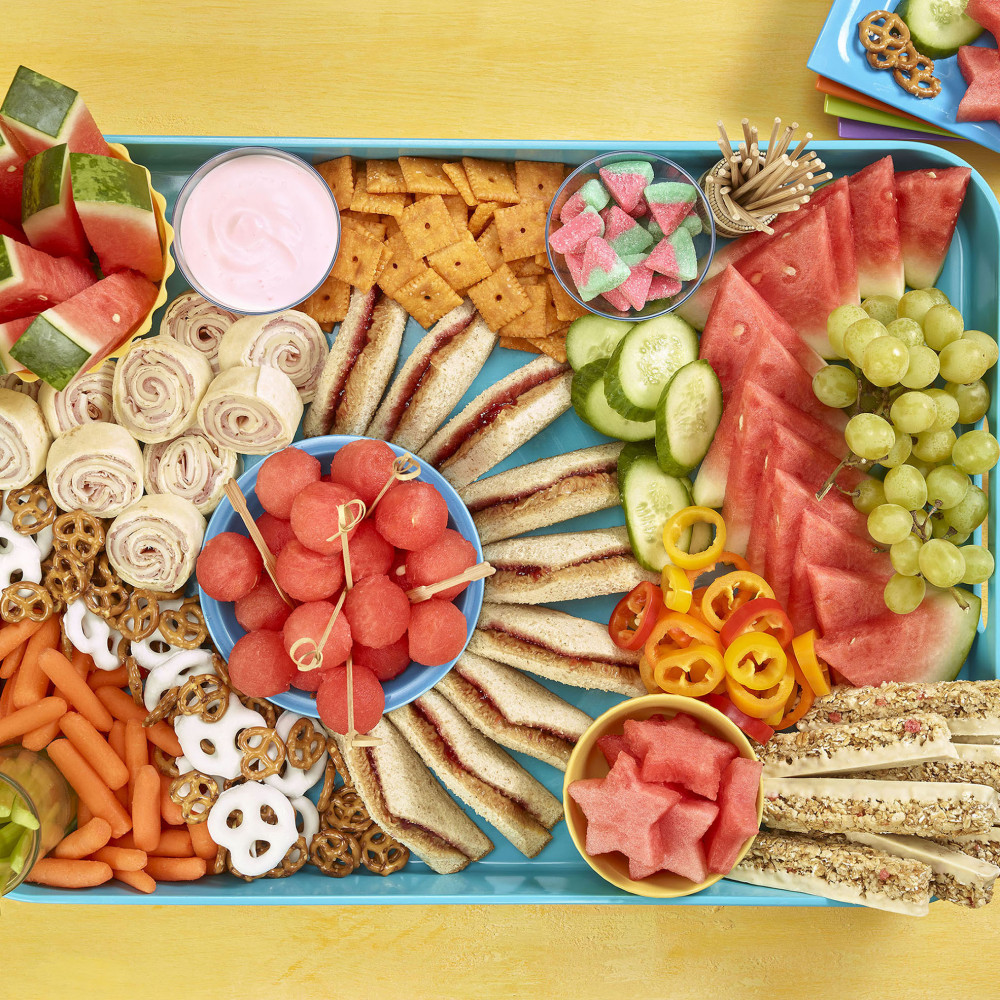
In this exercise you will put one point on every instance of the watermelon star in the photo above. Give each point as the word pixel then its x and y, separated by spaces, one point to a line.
pixel 986 13
pixel 623 812
pixel 981 69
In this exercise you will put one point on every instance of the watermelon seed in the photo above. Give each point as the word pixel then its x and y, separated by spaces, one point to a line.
pixel 790 271
pixel 117 317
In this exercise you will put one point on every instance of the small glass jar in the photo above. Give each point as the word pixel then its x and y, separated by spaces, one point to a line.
pixel 38 788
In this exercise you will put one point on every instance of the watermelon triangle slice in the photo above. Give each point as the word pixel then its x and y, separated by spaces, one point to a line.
pixel 739 322
pixel 48 215
pixel 929 203
pixel 821 542
pixel 9 333
pixel 11 180
pixel 876 230
pixel 737 820
pixel 30 280
pixel 845 598
pixel 929 644
pixel 14 232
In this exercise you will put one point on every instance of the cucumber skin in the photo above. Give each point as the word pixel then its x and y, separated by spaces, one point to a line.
pixel 664 455
pixel 580 391
pixel 928 49
pixel 574 353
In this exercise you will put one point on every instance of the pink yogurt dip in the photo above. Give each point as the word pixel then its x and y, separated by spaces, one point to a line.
pixel 258 233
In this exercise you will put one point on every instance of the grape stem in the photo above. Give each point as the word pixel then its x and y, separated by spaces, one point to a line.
pixel 851 462
pixel 922 528
pixel 959 599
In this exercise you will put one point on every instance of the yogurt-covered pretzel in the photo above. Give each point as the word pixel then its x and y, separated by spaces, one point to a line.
pixel 18 553
pixel 91 634
pixel 237 823
pixel 226 757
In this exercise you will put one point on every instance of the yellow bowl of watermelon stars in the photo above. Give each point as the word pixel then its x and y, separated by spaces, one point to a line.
pixel 659 783
pixel 92 265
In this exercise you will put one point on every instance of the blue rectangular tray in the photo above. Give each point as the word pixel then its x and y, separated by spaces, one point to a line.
pixel 559 874
pixel 839 55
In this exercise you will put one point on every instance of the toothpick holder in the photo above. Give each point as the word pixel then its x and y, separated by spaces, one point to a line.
pixel 725 224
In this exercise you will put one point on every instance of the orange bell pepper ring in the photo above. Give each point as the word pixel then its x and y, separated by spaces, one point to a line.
pixel 756 660
pixel 678 523
pixel 728 593
pixel 691 672
pixel 676 589
pixel 799 703
pixel 763 704
pixel 723 559
pixel 813 669
pixel 674 631
pixel 646 676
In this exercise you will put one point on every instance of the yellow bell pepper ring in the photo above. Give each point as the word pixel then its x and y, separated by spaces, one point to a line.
pixel 646 675
pixel 676 589
pixel 761 705
pixel 678 523
pixel 692 672
pixel 727 594
pixel 756 660
pixel 804 650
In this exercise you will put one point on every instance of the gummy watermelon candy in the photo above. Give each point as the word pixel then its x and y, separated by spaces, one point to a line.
pixel 626 180
pixel 669 203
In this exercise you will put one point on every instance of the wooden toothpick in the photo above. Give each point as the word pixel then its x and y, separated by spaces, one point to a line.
pixel 239 503
pixel 478 572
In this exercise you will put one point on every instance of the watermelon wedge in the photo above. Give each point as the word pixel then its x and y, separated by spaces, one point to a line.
pixel 9 333
pixel 929 203
pixel 739 322
pixel 40 113
pixel 823 543
pixel 845 598
pixel 48 216
pixel 876 230
pixel 11 178
pixel 737 820
pixel 82 331
pixel 31 281
pixel 14 232
pixel 929 644
pixel 116 209
pixel 795 273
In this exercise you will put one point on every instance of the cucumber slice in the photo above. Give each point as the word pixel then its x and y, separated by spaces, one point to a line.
pixel 593 338
pixel 591 405
pixel 645 361
pixel 649 497
pixel 687 415
pixel 939 28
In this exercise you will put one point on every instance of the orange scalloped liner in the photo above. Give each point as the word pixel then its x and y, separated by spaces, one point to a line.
pixel 166 232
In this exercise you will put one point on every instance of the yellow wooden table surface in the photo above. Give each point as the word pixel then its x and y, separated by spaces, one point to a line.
pixel 649 69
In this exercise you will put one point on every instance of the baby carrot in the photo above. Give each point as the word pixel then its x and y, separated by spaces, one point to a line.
pixel 121 858
pixel 84 815
pixel 201 841
pixel 99 799
pixel 121 706
pixel 12 636
pixel 24 720
pixel 62 674
pixel 137 880
pixel 176 869
pixel 90 837
pixel 95 749
pixel 116 740
pixel 146 809
pixel 108 678
pixel 69 874
pixel 12 661
pixel 40 738
pixel 7 697
pixel 169 810
pixel 174 843
pixel 136 752
pixel 82 662
pixel 32 683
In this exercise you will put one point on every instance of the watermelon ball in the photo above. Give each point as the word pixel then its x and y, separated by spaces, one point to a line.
pixel 262 608
pixel 450 555
pixel 398 572
pixel 308 680
pixel 309 621
pixel 282 476
pixel 306 575
pixel 385 663
pixel 259 665
pixel 275 532
pixel 437 634
pixel 363 467
pixel 331 699
pixel 412 515
pixel 229 566
pixel 371 554
pixel 314 516
pixel 378 611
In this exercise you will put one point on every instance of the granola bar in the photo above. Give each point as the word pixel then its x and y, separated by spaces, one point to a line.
pixel 979 765
pixel 985 846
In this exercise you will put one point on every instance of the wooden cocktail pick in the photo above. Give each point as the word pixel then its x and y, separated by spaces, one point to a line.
pixel 239 503
pixel 306 653
pixel 404 468
pixel 478 572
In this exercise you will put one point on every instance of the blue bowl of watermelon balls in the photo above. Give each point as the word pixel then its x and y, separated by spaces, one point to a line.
pixel 663 795
pixel 630 235
pixel 420 533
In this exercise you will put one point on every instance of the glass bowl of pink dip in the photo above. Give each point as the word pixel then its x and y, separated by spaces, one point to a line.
pixel 257 230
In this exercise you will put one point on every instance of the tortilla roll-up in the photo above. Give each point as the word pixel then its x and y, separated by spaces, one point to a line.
pixel 358 366
pixel 96 468
pixel 252 411
pixel 194 321
pixel 971 707
pixel 955 877
pixel 154 544
pixel 868 746
pixel 849 805
pixel 435 376
pixel 499 420
pixel 87 399
pixel 192 466
pixel 973 763
pixel 482 775
pixel 24 439
pixel 834 868
pixel 157 388
pixel 557 646
pixel 514 710
pixel 289 341
pixel 545 492
pixel 407 802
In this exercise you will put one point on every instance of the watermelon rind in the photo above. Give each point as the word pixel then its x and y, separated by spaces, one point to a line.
pixel 48 217
pixel 37 103
pixel 50 353
pixel 110 182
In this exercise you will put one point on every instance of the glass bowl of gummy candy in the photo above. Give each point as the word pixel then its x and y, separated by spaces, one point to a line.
pixel 399 650
pixel 630 235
